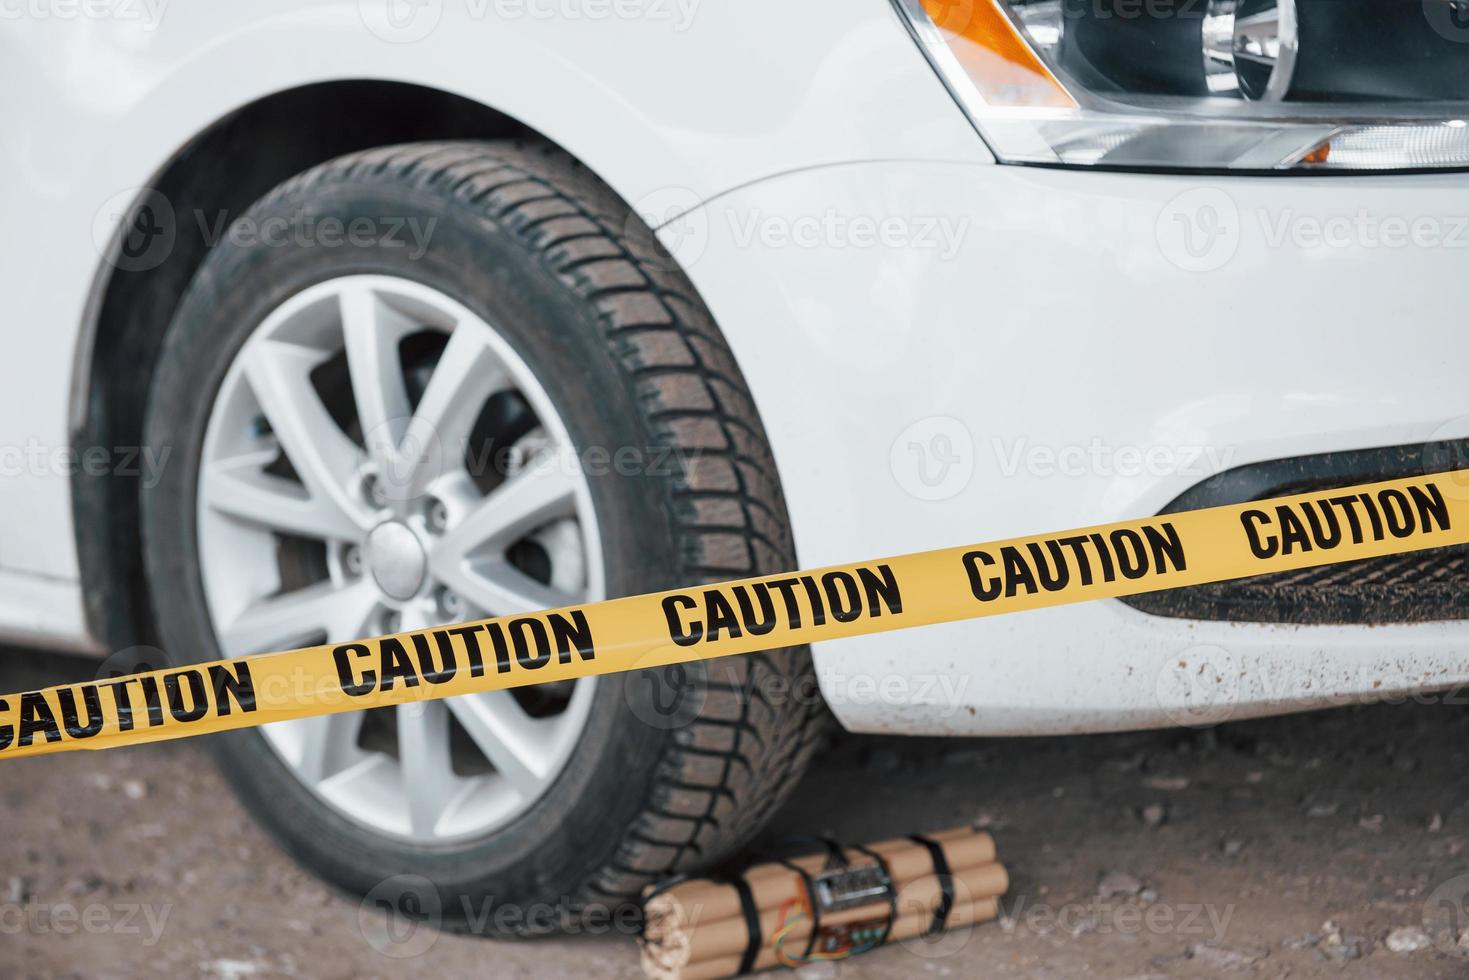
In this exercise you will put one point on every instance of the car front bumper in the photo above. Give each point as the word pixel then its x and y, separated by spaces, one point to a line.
pixel 950 353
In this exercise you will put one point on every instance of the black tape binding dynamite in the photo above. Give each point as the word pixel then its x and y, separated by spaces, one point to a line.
pixel 841 885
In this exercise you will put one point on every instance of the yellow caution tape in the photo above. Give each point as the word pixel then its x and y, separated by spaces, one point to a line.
pixel 707 621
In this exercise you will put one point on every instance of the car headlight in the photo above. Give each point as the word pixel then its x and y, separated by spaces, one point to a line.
pixel 1208 84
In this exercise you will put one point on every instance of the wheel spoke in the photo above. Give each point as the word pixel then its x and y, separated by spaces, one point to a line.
pixel 466 375
pixel 319 451
pixel 501 589
pixel 428 776
pixel 281 621
pixel 328 745
pixel 238 487
pixel 511 511
pixel 470 558
pixel 512 740
pixel 371 331
pixel 417 614
pixel 354 613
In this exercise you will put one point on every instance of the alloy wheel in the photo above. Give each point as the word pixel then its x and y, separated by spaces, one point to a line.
pixel 378 458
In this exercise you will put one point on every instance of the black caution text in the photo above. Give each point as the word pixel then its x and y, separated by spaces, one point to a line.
pixel 1056 564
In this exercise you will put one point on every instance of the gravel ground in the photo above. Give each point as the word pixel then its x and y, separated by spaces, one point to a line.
pixel 1321 845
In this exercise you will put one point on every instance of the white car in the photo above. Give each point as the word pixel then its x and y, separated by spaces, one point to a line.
pixel 335 318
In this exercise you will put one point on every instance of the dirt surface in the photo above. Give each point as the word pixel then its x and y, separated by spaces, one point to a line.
pixel 1290 847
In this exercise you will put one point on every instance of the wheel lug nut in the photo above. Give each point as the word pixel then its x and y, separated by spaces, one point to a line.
pixel 372 489
pixel 449 603
pixel 437 517
pixel 352 560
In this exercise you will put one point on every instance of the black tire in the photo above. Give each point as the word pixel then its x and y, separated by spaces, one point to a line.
pixel 530 240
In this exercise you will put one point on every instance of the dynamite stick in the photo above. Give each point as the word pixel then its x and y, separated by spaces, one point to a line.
pixel 701 901
pixel 906 927
pixel 729 936
pixel 821 906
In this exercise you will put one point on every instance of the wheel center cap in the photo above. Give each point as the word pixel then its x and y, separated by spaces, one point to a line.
pixel 396 558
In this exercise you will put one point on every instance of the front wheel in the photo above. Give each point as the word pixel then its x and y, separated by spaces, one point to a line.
pixel 524 405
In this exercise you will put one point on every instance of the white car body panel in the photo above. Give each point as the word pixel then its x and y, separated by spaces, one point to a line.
pixel 1039 308
pixel 96 106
